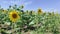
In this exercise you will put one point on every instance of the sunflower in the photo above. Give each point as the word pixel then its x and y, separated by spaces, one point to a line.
pixel 27 12
pixel 13 16
pixel 4 11
pixel 32 12
pixel 39 11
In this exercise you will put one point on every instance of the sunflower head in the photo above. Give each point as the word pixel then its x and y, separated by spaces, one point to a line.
pixel 4 11
pixel 39 11
pixel 32 12
pixel 13 16
pixel 27 12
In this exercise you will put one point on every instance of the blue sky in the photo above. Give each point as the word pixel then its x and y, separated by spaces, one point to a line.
pixel 46 5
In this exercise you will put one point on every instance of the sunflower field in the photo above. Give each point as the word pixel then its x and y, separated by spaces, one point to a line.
pixel 15 20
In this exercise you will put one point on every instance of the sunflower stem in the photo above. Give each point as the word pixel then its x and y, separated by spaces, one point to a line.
pixel 13 25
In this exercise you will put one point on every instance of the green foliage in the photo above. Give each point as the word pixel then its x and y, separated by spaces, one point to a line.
pixel 44 23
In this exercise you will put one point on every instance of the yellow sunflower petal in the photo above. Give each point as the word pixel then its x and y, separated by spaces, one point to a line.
pixel 13 16
pixel 39 11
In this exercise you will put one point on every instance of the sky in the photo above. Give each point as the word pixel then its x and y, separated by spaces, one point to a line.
pixel 45 5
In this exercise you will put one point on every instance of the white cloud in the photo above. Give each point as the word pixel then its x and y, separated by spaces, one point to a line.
pixel 18 2
pixel 27 3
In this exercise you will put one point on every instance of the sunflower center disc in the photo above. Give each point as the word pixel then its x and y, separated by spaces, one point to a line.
pixel 14 15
